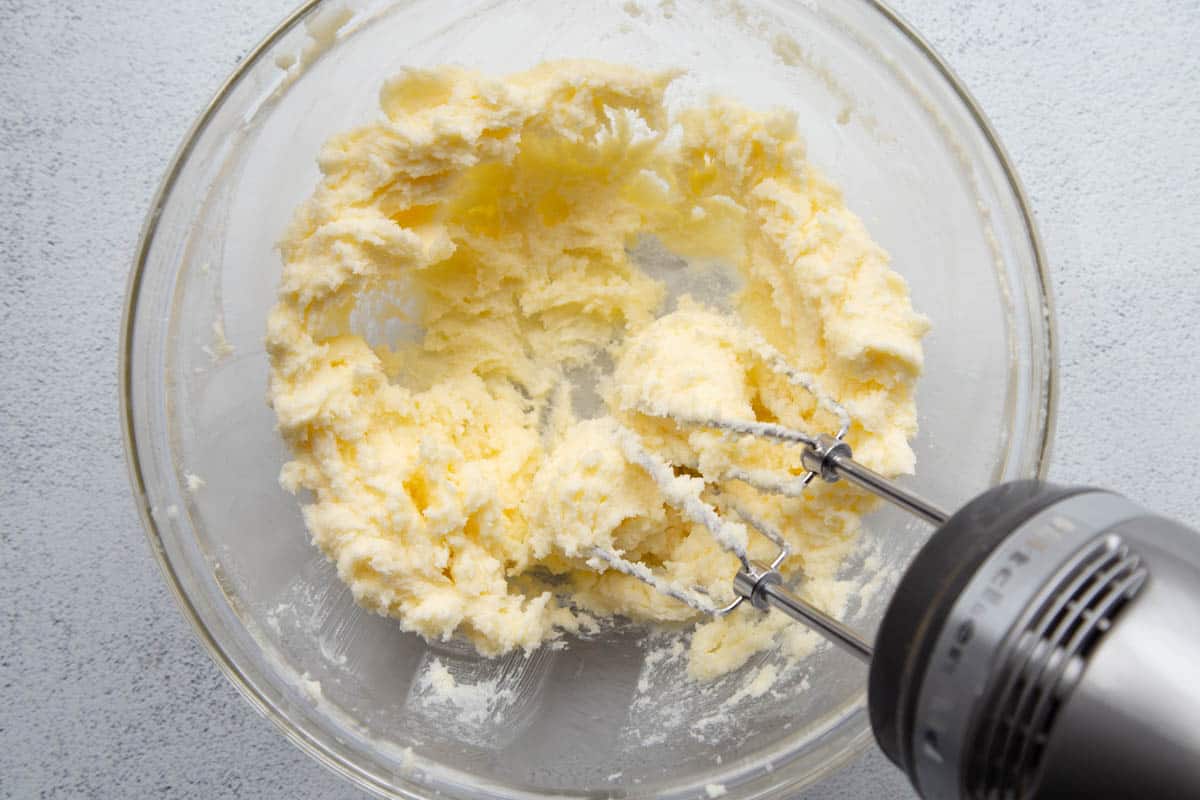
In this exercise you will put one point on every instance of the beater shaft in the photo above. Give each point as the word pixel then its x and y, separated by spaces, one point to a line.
pixel 763 587
pixel 831 459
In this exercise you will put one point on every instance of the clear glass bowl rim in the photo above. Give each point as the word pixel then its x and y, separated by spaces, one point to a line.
pixel 1048 391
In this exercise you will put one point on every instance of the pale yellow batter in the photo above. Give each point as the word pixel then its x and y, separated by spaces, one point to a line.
pixel 466 259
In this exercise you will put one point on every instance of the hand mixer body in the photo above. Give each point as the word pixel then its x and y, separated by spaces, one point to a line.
pixel 1045 643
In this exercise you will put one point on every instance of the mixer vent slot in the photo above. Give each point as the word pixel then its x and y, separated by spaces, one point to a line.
pixel 1045 664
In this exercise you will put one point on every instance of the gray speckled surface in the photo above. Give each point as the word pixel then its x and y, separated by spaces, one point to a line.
pixel 103 690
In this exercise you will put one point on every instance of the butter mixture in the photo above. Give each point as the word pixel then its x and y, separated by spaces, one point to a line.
pixel 461 282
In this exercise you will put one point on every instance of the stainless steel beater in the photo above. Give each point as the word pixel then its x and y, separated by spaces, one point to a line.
pixel 1043 643
pixel 823 456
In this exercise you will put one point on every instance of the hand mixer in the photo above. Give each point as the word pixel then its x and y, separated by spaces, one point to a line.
pixel 1045 641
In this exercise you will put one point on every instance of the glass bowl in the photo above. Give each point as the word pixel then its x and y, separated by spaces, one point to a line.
pixel 610 715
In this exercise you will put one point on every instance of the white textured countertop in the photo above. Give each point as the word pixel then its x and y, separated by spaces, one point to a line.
pixel 103 690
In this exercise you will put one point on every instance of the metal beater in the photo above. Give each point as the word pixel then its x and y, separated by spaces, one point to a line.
pixel 1045 641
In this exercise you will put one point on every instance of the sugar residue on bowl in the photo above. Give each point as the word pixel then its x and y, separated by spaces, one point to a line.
pixel 473 703
pixel 487 703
